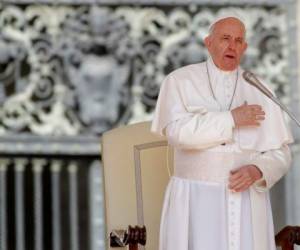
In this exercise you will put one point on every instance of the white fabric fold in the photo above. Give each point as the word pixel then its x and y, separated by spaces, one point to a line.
pixel 273 164
pixel 183 227
pixel 204 131
pixel 259 214
pixel 174 232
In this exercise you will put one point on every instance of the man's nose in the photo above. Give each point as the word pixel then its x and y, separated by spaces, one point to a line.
pixel 232 44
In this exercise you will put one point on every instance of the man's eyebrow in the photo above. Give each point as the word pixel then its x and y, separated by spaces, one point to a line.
pixel 228 35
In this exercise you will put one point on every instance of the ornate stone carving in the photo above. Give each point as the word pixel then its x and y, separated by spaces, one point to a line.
pixel 70 70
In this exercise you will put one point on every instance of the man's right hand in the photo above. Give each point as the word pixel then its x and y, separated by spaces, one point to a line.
pixel 248 115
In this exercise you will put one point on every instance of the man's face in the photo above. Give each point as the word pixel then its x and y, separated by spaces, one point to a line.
pixel 226 44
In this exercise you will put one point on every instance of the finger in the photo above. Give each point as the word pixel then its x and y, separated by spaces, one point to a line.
pixel 241 184
pixel 237 186
pixel 254 124
pixel 259 117
pixel 232 180
pixel 251 123
pixel 257 112
pixel 254 107
pixel 235 170
pixel 235 175
pixel 242 189
pixel 236 182
pixel 255 118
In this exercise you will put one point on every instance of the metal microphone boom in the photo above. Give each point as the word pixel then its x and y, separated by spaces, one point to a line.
pixel 251 79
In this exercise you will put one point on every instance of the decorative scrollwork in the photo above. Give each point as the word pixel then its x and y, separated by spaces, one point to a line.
pixel 69 70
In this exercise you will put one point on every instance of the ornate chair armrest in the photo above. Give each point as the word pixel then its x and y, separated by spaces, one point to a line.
pixel 288 237
pixel 132 237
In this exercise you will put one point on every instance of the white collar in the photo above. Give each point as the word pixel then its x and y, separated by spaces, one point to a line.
pixel 217 75
pixel 213 69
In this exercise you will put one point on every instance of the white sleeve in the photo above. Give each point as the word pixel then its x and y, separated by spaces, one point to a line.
pixel 200 131
pixel 273 164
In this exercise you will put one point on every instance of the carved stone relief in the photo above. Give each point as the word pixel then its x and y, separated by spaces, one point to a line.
pixel 70 70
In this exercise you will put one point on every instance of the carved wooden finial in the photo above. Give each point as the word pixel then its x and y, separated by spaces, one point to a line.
pixel 288 237
pixel 132 237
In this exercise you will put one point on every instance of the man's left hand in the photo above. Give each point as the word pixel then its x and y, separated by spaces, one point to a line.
pixel 242 178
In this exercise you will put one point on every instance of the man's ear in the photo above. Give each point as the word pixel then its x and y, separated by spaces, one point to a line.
pixel 245 46
pixel 207 41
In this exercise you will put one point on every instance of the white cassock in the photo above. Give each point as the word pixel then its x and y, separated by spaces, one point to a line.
pixel 199 211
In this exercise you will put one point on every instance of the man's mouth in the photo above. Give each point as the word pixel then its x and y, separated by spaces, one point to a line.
pixel 230 56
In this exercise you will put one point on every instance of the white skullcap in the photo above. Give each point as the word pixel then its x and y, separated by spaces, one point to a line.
pixel 226 13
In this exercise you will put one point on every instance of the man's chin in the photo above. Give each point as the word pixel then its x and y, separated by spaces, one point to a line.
pixel 230 65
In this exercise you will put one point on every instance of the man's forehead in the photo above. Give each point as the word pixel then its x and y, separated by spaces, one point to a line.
pixel 229 26
pixel 225 15
pixel 230 21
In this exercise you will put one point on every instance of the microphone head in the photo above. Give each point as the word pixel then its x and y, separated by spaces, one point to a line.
pixel 252 79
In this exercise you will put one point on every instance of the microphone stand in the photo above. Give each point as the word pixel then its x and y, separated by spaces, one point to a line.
pixel 284 108
pixel 256 83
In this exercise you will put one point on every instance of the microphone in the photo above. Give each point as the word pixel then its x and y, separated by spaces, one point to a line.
pixel 252 80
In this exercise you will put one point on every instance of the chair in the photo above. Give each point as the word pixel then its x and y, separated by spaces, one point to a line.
pixel 135 177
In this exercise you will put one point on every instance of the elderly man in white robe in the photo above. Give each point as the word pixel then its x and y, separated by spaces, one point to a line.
pixel 230 147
